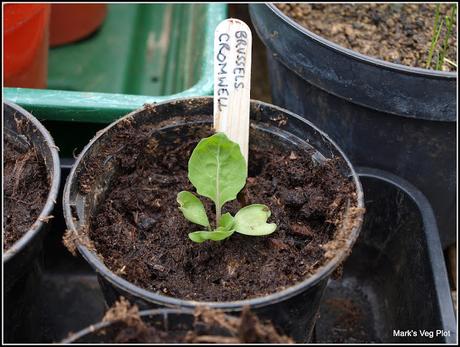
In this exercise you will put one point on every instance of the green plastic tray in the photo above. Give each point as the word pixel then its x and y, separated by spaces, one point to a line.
pixel 143 53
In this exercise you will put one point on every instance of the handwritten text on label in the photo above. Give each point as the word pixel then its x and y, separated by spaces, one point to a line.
pixel 240 43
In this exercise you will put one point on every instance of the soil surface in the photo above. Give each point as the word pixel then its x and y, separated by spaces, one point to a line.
pixel 398 33
pixel 142 236
pixel 26 188
pixel 209 326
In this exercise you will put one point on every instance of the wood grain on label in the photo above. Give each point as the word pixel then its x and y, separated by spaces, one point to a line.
pixel 232 81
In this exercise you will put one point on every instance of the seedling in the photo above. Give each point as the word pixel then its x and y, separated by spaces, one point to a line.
pixel 217 169
pixel 449 21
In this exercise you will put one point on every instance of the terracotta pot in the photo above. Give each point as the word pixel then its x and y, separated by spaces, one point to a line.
pixel 72 22
pixel 25 37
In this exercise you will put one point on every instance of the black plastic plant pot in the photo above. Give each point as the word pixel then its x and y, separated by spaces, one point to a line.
pixel 292 310
pixel 176 322
pixel 396 279
pixel 21 262
pixel 383 115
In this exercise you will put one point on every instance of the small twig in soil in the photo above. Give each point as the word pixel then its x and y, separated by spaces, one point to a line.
pixel 450 62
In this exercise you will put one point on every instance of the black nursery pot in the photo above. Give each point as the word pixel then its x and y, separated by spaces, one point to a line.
pixel 293 310
pixel 383 115
pixel 175 321
pixel 21 262
pixel 398 244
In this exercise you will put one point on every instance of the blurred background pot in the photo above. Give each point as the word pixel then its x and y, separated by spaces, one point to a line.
pixel 72 22
pixel 25 37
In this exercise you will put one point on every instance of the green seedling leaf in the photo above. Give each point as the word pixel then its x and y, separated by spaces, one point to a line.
pixel 192 208
pixel 217 169
pixel 252 220
pixel 216 235
pixel 226 222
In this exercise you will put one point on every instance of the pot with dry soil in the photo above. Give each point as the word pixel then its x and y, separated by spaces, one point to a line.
pixel 30 187
pixel 122 214
pixel 124 323
pixel 326 64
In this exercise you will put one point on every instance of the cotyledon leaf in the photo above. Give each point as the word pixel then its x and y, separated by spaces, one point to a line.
pixel 216 235
pixel 192 208
pixel 252 220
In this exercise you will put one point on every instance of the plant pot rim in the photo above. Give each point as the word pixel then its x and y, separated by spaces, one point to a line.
pixel 19 245
pixel 359 56
pixel 145 313
pixel 237 305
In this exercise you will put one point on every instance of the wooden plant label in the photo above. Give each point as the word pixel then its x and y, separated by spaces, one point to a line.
pixel 232 81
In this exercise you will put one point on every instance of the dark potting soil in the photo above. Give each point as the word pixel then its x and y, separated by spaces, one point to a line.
pixel 142 236
pixel 209 326
pixel 398 33
pixel 26 188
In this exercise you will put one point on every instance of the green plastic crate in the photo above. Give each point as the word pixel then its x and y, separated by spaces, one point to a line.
pixel 143 53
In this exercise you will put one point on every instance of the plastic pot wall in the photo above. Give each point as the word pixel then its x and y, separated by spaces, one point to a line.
pixel 293 310
pixel 399 243
pixel 383 115
pixel 22 261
